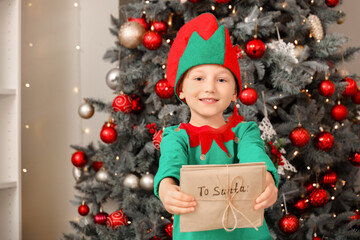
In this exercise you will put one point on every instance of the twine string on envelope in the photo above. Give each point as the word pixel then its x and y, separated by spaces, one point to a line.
pixel 230 206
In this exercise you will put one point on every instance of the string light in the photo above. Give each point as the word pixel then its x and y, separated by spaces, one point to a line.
pixel 260 9
pixel 24 170
pixel 76 89
pixel 115 174
pixel 31 45
pixel 332 197
pixel 147 1
pixel 308 167
pixel 77 47
pixel 327 100
pixel 234 11
pixel 288 177
pixel 76 4
pixel 30 4
pixel 275 107
pixel 163 66
pixel 117 158
pixel 284 5
pixel 129 222
pixel 87 130
pixel 213 7
pixel 230 7
pixel 162 218
pixel 312 2
pixel 296 152
pixel 168 41
pixel 27 85
pixel 27 126
pixel 334 215
pixel 144 12
pixel 296 42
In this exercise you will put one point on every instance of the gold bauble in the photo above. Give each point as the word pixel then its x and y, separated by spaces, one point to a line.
pixel 131 34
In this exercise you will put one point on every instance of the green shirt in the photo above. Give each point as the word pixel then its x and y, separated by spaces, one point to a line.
pixel 247 146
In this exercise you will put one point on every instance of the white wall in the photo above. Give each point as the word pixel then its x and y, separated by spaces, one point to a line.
pixel 54 67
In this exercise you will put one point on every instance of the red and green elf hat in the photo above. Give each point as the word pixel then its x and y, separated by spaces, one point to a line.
pixel 201 41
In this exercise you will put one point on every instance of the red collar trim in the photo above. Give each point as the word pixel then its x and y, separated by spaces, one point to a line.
pixel 205 135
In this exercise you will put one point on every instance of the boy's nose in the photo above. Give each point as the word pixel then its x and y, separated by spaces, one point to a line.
pixel 210 86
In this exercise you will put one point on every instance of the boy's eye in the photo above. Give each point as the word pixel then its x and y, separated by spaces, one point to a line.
pixel 222 80
pixel 198 78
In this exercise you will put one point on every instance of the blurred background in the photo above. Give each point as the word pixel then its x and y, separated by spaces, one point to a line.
pixel 62 45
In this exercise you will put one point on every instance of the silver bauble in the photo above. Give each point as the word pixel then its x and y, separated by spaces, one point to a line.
pixel 112 78
pixel 86 110
pixel 131 34
pixel 147 182
pixel 77 173
pixel 131 181
pixel 102 175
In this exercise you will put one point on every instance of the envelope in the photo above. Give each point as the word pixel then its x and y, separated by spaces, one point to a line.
pixel 225 195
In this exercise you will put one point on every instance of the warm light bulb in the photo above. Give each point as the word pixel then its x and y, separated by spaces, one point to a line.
pixel 27 126
pixel 168 41
pixel 76 4
pixel 275 107
pixel 163 66
pixel 261 8
pixel 296 42
pixel 230 7
pixel 77 47
pixel 296 153
pixel 308 168
pixel 234 11
pixel 213 7
pixel 27 84
pixel 24 170
pixel 332 197
pixel 30 4
pixel 76 89
pixel 162 218
pixel 117 158
pixel 31 45
pixel 87 130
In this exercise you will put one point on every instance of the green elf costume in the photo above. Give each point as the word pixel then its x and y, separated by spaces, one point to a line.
pixel 203 41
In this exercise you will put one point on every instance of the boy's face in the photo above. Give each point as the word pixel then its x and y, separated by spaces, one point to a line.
pixel 208 90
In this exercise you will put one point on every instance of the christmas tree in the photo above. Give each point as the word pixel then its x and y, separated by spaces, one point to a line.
pixel 295 86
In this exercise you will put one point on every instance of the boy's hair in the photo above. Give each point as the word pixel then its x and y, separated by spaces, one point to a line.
pixel 201 41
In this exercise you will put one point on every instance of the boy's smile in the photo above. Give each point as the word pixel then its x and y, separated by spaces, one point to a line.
pixel 208 90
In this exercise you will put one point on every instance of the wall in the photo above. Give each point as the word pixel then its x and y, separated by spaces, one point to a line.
pixel 53 67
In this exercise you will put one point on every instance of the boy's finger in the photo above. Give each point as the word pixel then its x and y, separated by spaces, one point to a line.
pixel 263 196
pixel 183 197
pixel 182 204
pixel 178 210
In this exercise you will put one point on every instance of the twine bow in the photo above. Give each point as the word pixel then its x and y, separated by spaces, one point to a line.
pixel 230 206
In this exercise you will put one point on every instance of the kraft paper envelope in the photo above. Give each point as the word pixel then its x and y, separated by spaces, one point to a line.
pixel 225 195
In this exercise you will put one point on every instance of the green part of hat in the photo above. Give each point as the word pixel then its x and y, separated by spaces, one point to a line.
pixel 200 51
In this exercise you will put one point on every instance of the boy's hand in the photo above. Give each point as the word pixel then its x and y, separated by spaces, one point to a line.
pixel 269 196
pixel 174 201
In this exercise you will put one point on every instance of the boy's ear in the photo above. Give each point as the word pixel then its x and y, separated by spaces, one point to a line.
pixel 181 94
pixel 234 96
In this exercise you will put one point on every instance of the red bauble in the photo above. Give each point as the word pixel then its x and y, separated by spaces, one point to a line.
pixel 356 98
pixel 122 103
pixel 324 141
pixel 318 197
pixel 116 219
pixel 152 40
pixel 354 158
pixel 79 159
pixel 326 88
pixel 248 96
pixel 329 178
pixel 136 104
pixel 309 187
pixel 163 89
pixel 83 209
pixel 222 1
pixel 157 139
pixel 316 238
pixel 356 216
pixel 108 134
pixel 288 224
pixel 339 112
pixel 155 238
pixel 159 27
pixel 96 165
pixel 301 204
pixel 331 3
pixel 255 48
pixel 101 218
pixel 169 230
pixel 142 21
pixel 351 88
pixel 299 137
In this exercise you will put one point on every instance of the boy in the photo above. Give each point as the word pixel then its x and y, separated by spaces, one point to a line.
pixel 203 68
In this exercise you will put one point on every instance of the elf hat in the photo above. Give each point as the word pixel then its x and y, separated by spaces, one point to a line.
pixel 201 41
